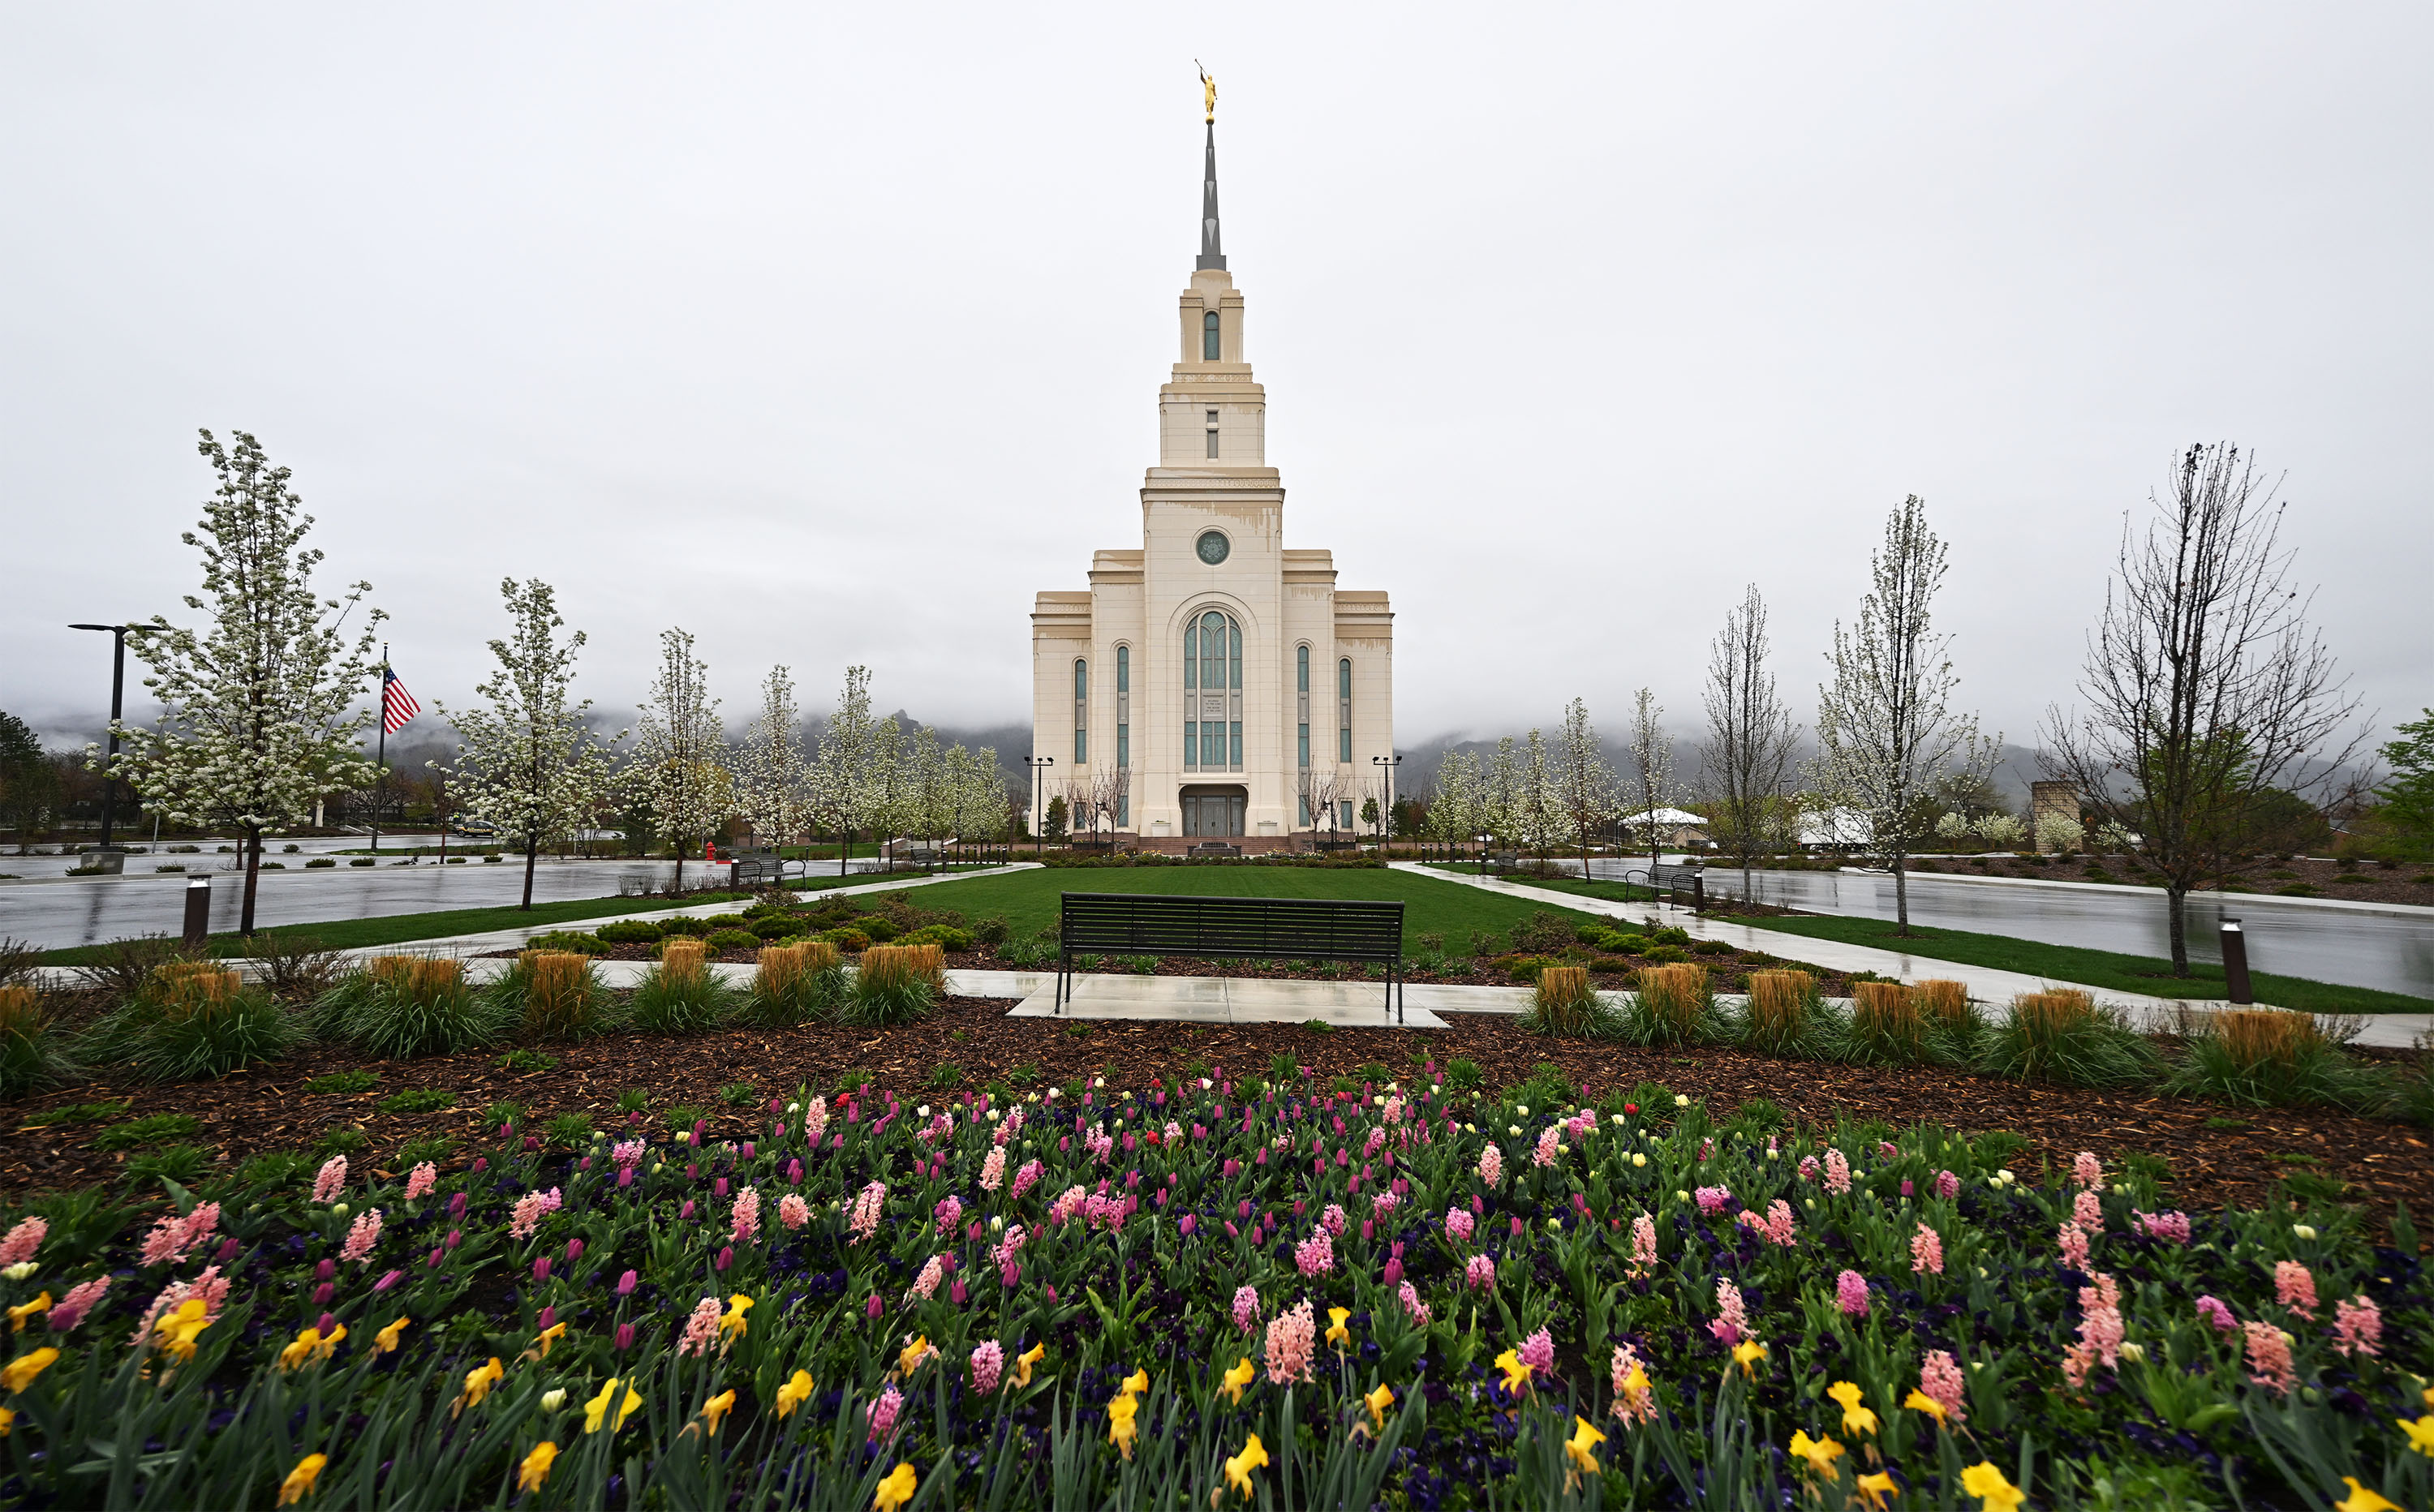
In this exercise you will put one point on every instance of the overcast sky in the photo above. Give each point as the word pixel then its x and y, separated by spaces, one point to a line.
pixel 834 336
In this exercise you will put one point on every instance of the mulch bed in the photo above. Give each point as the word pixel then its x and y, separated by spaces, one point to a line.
pixel 266 1109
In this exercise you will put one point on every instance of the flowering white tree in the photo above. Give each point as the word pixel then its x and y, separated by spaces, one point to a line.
pixel 528 763
pixel 1455 803
pixel 1651 777
pixel 845 793
pixel 259 712
pixel 678 774
pixel 1584 790
pixel 771 777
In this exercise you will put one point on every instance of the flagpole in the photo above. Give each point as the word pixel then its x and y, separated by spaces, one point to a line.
pixel 380 789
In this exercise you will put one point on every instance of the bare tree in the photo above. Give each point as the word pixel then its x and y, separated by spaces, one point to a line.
pixel 1750 735
pixel 2208 692
pixel 1652 777
pixel 1582 785
pixel 1886 732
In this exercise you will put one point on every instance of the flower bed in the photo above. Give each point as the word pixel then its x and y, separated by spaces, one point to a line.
pixel 1280 1296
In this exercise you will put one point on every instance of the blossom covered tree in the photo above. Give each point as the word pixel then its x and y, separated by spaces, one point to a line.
pixel 1652 769
pixel 1584 790
pixel 260 710
pixel 843 795
pixel 679 776
pixel 772 781
pixel 529 762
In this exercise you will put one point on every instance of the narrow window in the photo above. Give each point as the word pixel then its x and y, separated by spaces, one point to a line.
pixel 1212 435
pixel 1301 709
pixel 1343 814
pixel 1305 810
pixel 1190 654
pixel 1123 713
pixel 1190 743
pixel 1209 337
pixel 1344 710
pixel 1234 756
pixel 1124 806
pixel 1081 712
pixel 1305 742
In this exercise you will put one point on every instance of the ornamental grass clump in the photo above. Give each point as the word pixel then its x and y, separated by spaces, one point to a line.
pixel 194 1019
pixel 1673 1005
pixel 795 983
pixel 400 1006
pixel 552 994
pixel 31 1056
pixel 1886 1028
pixel 895 984
pixel 1565 1003
pixel 2265 1057
pixel 1785 1013
pixel 2062 1036
pixel 681 995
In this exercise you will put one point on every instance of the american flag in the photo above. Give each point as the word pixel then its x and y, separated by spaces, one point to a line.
pixel 397 705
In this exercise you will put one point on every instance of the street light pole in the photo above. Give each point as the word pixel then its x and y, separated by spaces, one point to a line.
pixel 117 690
pixel 1040 766
pixel 1386 820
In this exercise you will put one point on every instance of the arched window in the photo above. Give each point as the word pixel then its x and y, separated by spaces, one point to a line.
pixel 1212 693
pixel 1209 337
pixel 1344 710
pixel 1301 709
pixel 1081 712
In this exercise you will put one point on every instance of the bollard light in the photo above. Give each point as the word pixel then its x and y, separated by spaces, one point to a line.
pixel 2234 964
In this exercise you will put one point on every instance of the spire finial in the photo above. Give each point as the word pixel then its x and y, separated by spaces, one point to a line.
pixel 1212 248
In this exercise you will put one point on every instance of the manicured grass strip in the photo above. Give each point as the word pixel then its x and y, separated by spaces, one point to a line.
pixel 353 934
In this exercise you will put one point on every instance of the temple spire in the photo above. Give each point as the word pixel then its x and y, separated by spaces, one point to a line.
pixel 1212 247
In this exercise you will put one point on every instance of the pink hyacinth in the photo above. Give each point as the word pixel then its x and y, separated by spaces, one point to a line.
pixel 883 1414
pixel 1067 1203
pixel 1537 1352
pixel 1292 1338
pixel 2269 1359
pixel 1247 1309
pixel 23 1240
pixel 1316 1255
pixel 1643 1245
pixel 925 1286
pixel 70 1309
pixel 331 1181
pixel 1838 1173
pixel 1712 1199
pixel 815 1120
pixel 949 1213
pixel 530 1209
pixel 1939 1377
pixel 2073 1240
pixel 1925 1251
pixel 2100 1330
pixel 1383 1206
pixel 701 1328
pixel 1335 1220
pixel 2165 1228
pixel 993 1170
pixel 626 1154
pixel 743 1218
pixel 989 1367
pixel 2295 1288
pixel 2087 1170
pixel 1480 1272
pixel 1851 1294
pixel 2216 1312
pixel 419 1180
pixel 1550 1148
pixel 1947 1186
pixel 1410 1297
pixel 2358 1326
pixel 1491 1166
pixel 1808 1167
pixel 867 1205
pixel 2087 1210
pixel 1732 1318
pixel 1008 1244
pixel 1633 1401
pixel 173 1237
pixel 210 1288
pixel 793 1210
pixel 1458 1225
pixel 1025 1178
pixel 361 1235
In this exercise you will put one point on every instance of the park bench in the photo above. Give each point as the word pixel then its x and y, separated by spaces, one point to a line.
pixel 925 854
pixel 1214 848
pixel 1503 860
pixel 755 869
pixel 1145 923
pixel 1672 882
pixel 1323 845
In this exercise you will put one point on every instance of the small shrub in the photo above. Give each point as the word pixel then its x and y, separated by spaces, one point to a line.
pixel 401 1005
pixel 182 1163
pixel 568 1131
pixel 852 941
pixel 685 923
pixel 722 941
pixel 419 1100
pixel 1783 1013
pixel 550 995
pixel 569 942
pixel 681 995
pixel 1318 1025
pixel 319 862
pixel 362 860
pixel 31 1056
pixel 1710 947
pixel 629 932
pixel 1543 933
pixel 878 928
pixel 125 968
pixel 2062 1037
pixel 153 1128
pixel 991 931
pixel 194 1019
pixel 776 926
pixel 945 936
pixel 896 984
pixel 1665 955
pixel 726 921
pixel 1675 1005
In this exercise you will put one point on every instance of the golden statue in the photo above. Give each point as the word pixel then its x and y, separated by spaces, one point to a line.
pixel 1207 95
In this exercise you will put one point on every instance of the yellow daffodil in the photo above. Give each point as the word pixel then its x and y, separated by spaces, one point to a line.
pixel 2421 1434
pixel 1875 1488
pixel 1920 1401
pixel 1239 1467
pixel 731 1326
pixel 18 1315
pixel 1581 1449
pixel 793 1393
pixel 550 1335
pixel 1122 1426
pixel 22 1371
pixel 1517 1374
pixel 1995 1494
pixel 1136 1382
pixel 1856 1419
pixel 479 1382
pixel 1378 1400
pixel 716 1408
pixel 896 1489
pixel 1819 1452
pixel 8 1420
pixel 311 1347
pixel 914 1354
pixel 177 1332
pixel 2362 1499
pixel 1337 1333
pixel 384 1341
pixel 1239 1377
pixel 535 1467
pixel 596 1410
pixel 1023 1362
pixel 299 1484
pixel 1746 1355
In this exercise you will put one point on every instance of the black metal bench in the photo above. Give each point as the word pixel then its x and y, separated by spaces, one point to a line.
pixel 1149 923
pixel 755 869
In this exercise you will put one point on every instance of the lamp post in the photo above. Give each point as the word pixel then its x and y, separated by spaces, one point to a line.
pixel 1040 766
pixel 1386 818
pixel 117 688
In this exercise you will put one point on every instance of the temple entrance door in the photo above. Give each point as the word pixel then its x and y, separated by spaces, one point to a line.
pixel 1214 812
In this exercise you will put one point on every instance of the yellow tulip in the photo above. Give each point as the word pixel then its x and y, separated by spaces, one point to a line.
pixel 177 1332
pixel 1582 1447
pixel 731 1327
pixel 1122 1426
pixel 2362 1499
pixel 479 1382
pixel 1379 1401
pixel 718 1407
pixel 1239 1377
pixel 1023 1362
pixel 299 1484
pixel 550 1335
pixel 793 1393
pixel 1746 1355
pixel 386 1340
pixel 22 1371
pixel 596 1410
pixel 1337 1333
pixel 1517 1374
pixel 1875 1488
pixel 311 1347
pixel 17 1315
pixel 1819 1452
pixel 896 1489
pixel 1856 1419
pixel 1995 1494
pixel 1239 1467
pixel 910 1358
pixel 535 1467
pixel 1920 1401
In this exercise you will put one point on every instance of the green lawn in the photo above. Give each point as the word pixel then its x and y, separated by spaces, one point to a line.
pixel 2149 975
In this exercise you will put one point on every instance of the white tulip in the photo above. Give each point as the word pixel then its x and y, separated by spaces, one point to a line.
pixel 553 1398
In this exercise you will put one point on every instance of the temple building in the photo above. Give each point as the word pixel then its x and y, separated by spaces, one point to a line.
pixel 1213 683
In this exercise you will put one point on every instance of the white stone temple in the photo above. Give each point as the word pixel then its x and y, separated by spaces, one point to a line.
pixel 1213 683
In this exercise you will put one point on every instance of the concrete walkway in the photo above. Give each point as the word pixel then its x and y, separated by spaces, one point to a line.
pixel 1985 983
